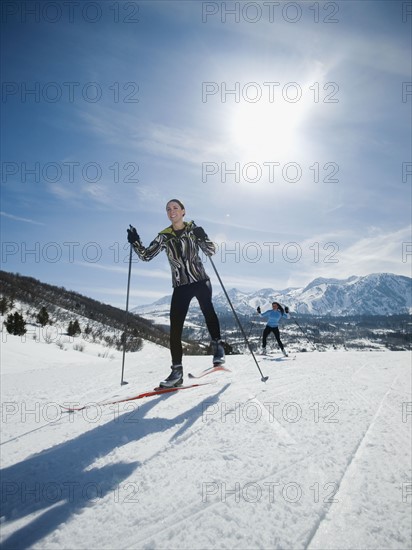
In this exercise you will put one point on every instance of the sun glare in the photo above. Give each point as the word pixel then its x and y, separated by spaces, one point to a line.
pixel 268 119
pixel 266 130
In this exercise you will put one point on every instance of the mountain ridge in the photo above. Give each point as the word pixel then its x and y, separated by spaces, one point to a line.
pixel 373 294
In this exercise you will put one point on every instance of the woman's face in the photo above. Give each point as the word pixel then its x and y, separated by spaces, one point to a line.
pixel 275 306
pixel 174 212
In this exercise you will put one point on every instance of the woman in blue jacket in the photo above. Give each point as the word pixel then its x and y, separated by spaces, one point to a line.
pixel 273 317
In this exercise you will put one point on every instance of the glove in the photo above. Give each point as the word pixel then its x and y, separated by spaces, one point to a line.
pixel 286 309
pixel 199 233
pixel 259 310
pixel 132 235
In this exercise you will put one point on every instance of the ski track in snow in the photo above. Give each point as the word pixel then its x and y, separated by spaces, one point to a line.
pixel 347 471
pixel 189 515
pixel 317 457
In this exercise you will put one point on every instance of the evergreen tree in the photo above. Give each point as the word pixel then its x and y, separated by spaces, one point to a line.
pixel 74 328
pixel 43 317
pixel 4 305
pixel 15 324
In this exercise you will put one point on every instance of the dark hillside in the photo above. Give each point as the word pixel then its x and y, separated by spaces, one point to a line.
pixel 30 291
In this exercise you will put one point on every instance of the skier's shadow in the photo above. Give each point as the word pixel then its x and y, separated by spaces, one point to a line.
pixel 59 482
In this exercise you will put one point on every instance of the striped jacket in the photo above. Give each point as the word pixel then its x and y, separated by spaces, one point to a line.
pixel 182 251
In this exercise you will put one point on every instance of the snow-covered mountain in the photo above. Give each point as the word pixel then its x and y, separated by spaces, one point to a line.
pixel 375 294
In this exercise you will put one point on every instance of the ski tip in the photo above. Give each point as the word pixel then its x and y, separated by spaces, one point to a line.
pixel 215 368
pixel 71 410
pixel 220 366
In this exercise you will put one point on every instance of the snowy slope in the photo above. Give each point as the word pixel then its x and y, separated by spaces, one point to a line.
pixel 318 457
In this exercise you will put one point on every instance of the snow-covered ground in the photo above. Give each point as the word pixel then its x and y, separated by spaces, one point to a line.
pixel 317 457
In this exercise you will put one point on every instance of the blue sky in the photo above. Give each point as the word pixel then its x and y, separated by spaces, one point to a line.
pixel 285 128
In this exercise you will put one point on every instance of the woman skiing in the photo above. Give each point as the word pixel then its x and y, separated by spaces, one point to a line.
pixel 273 317
pixel 181 241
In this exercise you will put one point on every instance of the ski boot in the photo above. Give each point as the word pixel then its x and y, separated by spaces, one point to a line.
pixel 264 352
pixel 218 352
pixel 284 353
pixel 174 379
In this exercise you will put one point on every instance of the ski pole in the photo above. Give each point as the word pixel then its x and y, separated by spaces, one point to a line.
pixel 304 333
pixel 122 382
pixel 263 378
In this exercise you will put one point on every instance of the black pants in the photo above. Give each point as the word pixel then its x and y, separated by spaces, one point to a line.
pixel 181 298
pixel 275 331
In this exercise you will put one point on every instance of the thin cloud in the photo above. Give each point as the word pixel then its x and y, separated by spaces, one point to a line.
pixel 20 219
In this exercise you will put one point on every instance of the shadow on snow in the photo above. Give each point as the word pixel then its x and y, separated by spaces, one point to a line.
pixel 59 482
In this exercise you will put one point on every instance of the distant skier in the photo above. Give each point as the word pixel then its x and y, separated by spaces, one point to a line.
pixel 181 242
pixel 273 317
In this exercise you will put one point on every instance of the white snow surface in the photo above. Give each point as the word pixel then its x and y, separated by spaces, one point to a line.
pixel 317 457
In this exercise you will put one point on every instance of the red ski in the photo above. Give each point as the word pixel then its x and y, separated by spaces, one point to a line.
pixel 156 391
pixel 210 370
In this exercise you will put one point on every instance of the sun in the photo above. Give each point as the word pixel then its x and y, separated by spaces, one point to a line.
pixel 266 130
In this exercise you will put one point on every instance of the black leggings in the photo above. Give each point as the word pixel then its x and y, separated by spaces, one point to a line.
pixel 181 298
pixel 275 331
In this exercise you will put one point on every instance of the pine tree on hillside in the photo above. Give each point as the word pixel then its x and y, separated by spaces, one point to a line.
pixel 15 324
pixel 74 328
pixel 43 317
pixel 4 305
